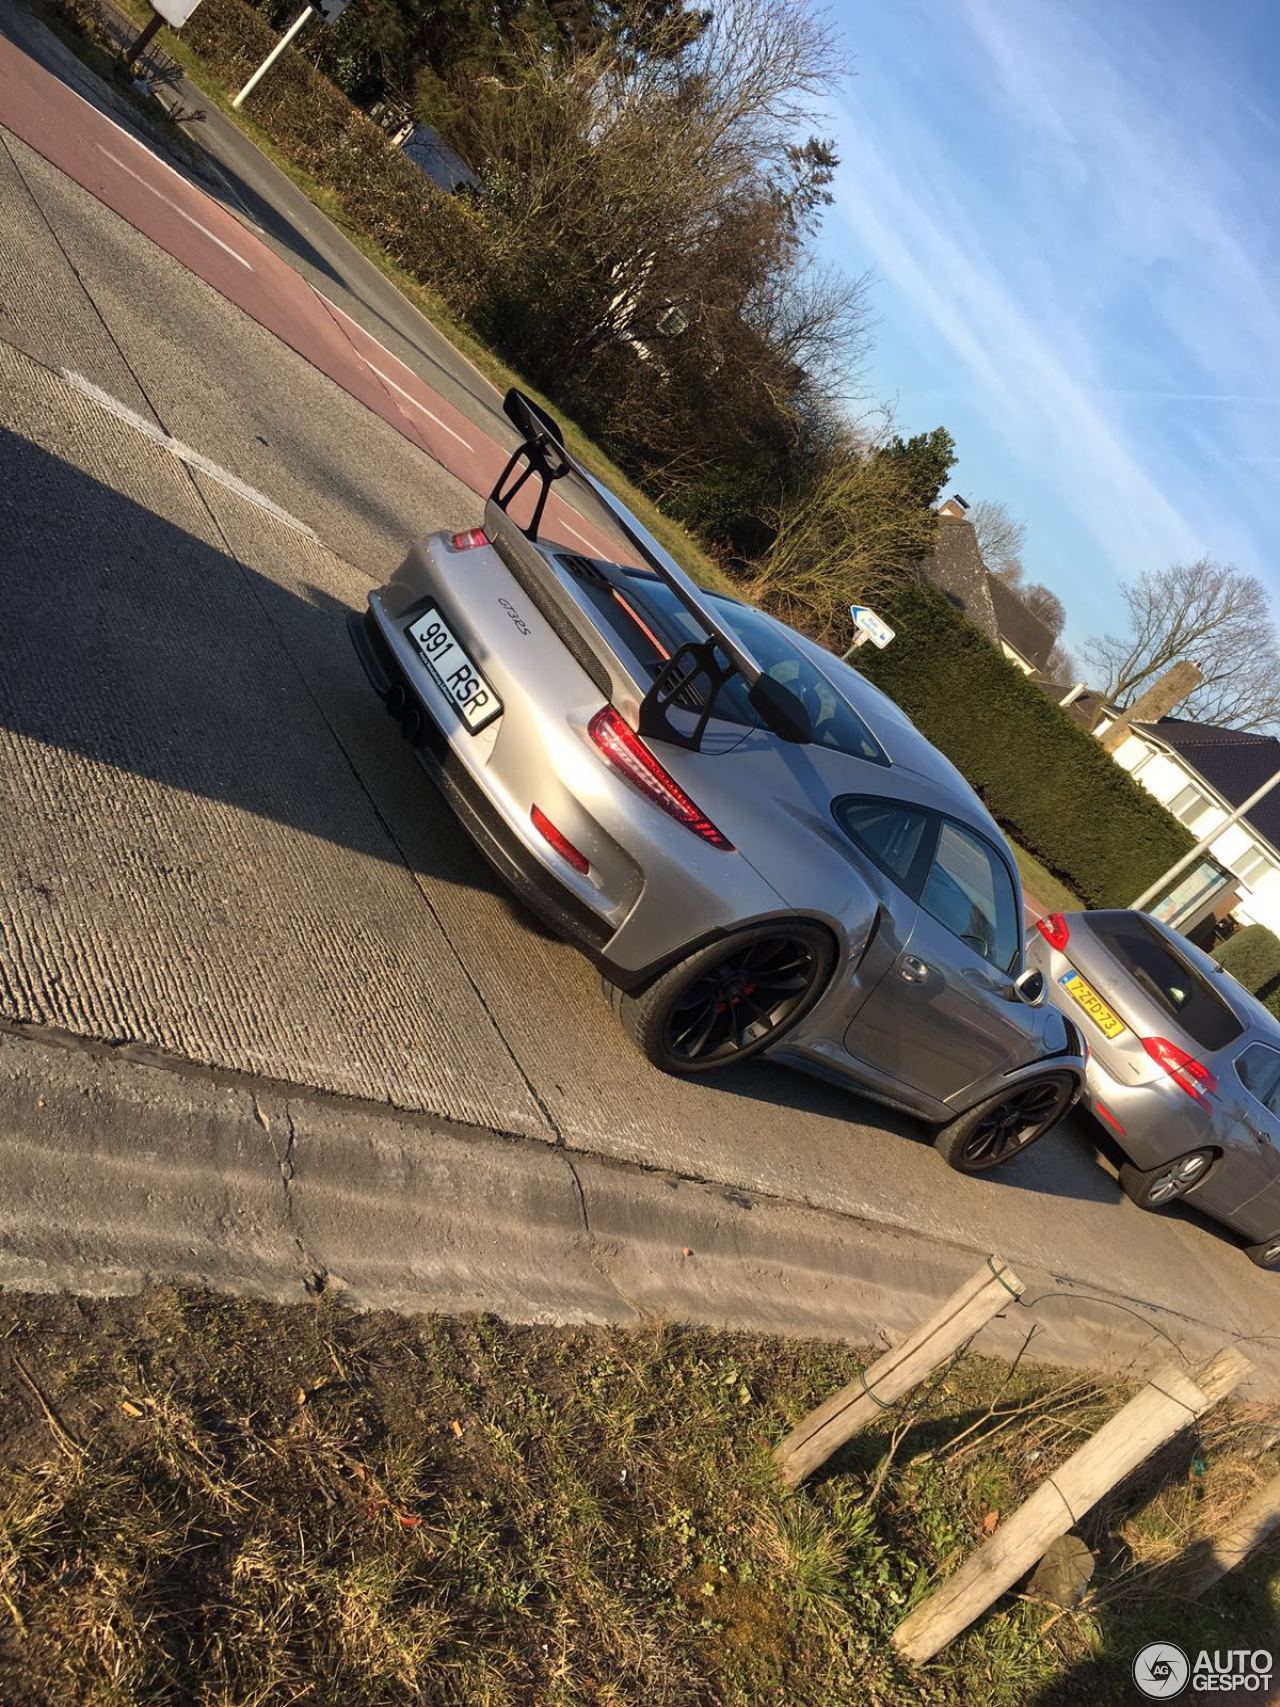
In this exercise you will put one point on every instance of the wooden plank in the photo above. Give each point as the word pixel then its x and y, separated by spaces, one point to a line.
pixel 1168 1402
pixel 1256 1523
pixel 813 1439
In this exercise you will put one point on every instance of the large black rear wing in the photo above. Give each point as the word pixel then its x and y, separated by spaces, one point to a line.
pixel 698 668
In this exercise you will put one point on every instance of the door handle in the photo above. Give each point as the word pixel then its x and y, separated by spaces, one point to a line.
pixel 913 970
pixel 1261 1137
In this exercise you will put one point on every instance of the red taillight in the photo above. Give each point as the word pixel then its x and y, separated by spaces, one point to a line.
pixel 1055 930
pixel 559 841
pixel 468 541
pixel 1193 1076
pixel 629 756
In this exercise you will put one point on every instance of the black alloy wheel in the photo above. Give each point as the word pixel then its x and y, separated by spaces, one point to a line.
pixel 1005 1124
pixel 730 1000
pixel 1011 1125
pixel 740 1001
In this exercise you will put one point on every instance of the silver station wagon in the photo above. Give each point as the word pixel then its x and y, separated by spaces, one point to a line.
pixel 1184 1067
pixel 755 846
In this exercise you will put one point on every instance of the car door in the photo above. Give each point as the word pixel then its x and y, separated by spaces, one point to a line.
pixel 1249 1124
pixel 946 1014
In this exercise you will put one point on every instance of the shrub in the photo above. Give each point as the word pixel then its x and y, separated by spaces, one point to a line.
pixel 1041 775
pixel 1252 956
pixel 442 240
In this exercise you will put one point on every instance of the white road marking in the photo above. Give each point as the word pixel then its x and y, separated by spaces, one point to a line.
pixel 180 211
pixel 184 453
pixel 479 372
pixel 408 399
pixel 591 545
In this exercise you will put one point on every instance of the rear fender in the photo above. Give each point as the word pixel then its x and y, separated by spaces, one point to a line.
pixel 635 980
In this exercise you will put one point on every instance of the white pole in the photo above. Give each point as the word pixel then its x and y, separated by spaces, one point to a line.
pixel 859 639
pixel 1203 847
pixel 275 53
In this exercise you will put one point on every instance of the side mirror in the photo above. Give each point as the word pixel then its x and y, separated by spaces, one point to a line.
pixel 781 710
pixel 1029 987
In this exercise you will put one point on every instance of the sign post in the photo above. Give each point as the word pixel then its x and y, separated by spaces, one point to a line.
pixel 172 12
pixel 329 10
pixel 870 627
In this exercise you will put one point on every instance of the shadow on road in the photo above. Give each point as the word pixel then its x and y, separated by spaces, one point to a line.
pixel 146 649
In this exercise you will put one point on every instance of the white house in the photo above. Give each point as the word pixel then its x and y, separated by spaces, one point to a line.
pixel 1201 773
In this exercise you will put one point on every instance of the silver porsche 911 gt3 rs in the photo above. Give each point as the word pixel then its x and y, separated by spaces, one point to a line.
pixel 755 846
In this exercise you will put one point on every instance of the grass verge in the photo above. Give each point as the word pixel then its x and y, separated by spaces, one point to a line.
pixel 1049 891
pixel 210 1501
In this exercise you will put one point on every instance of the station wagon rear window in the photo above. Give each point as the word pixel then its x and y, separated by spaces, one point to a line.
pixel 1185 994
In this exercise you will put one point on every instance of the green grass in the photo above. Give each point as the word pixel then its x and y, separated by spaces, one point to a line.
pixel 1038 881
pixel 499 373
pixel 215 1502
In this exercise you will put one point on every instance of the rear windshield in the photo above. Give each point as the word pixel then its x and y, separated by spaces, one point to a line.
pixel 1185 993
pixel 642 611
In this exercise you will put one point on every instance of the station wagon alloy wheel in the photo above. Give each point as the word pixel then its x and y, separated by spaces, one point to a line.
pixel 1266 1255
pixel 1159 1187
pixel 1178 1177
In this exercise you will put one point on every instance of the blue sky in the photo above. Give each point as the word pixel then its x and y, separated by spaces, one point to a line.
pixel 1072 211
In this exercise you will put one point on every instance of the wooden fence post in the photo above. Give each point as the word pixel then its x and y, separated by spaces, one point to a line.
pixel 813 1440
pixel 1256 1521
pixel 1165 1405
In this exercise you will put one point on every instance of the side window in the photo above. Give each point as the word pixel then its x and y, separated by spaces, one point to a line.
pixel 890 833
pixel 1258 1070
pixel 969 890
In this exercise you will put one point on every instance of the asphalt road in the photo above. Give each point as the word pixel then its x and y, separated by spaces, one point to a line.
pixel 211 842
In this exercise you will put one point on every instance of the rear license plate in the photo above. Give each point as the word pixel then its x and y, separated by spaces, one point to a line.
pixel 450 663
pixel 1108 1023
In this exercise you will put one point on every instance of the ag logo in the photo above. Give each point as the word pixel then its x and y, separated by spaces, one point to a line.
pixel 1161 1671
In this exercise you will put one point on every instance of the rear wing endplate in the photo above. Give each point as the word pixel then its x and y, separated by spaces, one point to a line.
pixel 541 456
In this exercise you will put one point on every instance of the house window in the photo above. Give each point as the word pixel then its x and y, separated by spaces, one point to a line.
pixel 1188 803
pixel 1252 867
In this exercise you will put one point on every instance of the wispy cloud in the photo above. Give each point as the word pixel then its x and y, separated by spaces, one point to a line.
pixel 1049 197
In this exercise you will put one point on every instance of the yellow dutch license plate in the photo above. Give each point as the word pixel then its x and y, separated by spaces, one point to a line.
pixel 1108 1023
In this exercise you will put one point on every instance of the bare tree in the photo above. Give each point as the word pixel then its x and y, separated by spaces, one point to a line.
pixel 1045 603
pixel 1211 613
pixel 1062 666
pixel 1000 539
pixel 848 535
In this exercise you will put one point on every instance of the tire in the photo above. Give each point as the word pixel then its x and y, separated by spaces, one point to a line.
pixel 700 1015
pixel 992 1133
pixel 1267 1254
pixel 1156 1188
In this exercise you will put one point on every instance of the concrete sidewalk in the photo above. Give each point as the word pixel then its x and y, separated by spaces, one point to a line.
pixel 121 1171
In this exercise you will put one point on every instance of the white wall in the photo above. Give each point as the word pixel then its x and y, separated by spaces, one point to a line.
pixel 1166 777
pixel 1262 905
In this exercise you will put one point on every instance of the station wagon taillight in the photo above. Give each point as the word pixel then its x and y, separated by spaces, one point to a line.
pixel 627 754
pixel 1055 930
pixel 1192 1075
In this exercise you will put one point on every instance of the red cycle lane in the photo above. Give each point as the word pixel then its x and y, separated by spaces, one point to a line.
pixel 124 174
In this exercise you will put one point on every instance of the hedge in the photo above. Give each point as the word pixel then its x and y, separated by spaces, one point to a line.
pixel 1252 956
pixel 1043 777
